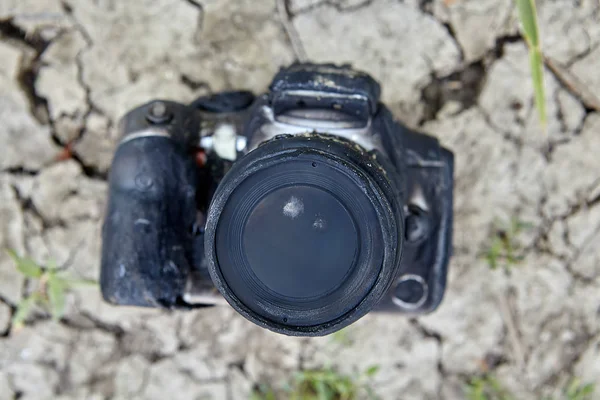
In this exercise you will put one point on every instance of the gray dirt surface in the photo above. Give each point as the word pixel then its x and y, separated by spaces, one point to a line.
pixel 456 69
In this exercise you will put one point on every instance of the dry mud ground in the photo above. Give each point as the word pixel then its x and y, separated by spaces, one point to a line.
pixel 456 69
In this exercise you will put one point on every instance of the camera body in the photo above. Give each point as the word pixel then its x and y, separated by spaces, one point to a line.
pixel 303 208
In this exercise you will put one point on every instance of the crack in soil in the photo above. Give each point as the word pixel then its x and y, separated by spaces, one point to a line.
pixel 285 18
pixel 195 4
pixel 463 87
pixel 573 85
pixel 337 5
pixel 438 338
pixel 27 205
pixel 541 244
pixel 28 68
pixel 89 170
pixel 195 85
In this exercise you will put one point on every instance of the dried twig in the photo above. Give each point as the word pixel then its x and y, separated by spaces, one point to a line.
pixel 291 31
pixel 573 85
pixel 513 333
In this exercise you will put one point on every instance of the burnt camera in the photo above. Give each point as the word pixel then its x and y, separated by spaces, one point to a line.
pixel 303 208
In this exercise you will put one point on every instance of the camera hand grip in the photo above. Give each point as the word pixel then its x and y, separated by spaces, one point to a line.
pixel 147 237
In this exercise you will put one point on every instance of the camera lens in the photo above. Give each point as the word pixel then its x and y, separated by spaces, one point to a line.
pixel 304 235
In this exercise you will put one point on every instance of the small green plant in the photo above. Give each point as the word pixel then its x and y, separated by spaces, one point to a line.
pixel 528 17
pixel 323 384
pixel 504 246
pixel 327 384
pixel 263 392
pixel 486 388
pixel 51 286
pixel 578 391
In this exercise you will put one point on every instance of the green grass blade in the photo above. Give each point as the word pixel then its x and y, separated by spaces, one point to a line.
pixel 81 282
pixel 322 390
pixel 528 17
pixel 56 294
pixel 371 371
pixel 26 265
pixel 588 390
pixel 494 252
pixel 23 310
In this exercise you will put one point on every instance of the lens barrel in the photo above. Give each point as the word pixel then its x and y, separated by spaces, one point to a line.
pixel 304 234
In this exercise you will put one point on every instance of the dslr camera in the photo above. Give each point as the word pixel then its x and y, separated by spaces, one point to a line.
pixel 303 208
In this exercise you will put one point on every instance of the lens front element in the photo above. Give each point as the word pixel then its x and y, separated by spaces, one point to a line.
pixel 301 238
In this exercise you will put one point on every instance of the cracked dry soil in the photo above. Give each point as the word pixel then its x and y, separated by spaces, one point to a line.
pixel 455 69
